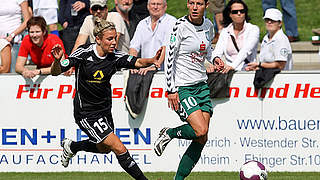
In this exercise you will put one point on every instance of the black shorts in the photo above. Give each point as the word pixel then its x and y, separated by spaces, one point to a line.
pixel 96 126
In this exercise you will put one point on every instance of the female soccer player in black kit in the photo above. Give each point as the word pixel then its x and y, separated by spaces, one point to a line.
pixel 94 66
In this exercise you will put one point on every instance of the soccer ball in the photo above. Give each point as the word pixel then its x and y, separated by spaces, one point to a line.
pixel 253 170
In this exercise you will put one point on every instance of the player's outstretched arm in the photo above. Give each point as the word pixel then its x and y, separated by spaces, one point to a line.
pixel 144 62
pixel 57 53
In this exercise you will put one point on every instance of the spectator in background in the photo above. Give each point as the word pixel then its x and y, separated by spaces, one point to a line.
pixel 275 47
pixel 71 15
pixel 153 31
pixel 98 8
pixel 151 34
pixel 47 9
pixel 216 7
pixel 289 16
pixel 38 44
pixel 5 56
pixel 14 15
pixel 238 41
pixel 130 18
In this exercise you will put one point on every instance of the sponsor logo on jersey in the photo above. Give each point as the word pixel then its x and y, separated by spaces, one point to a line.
pixel 65 63
pixel 98 75
pixel 129 58
pixel 202 47
pixel 172 39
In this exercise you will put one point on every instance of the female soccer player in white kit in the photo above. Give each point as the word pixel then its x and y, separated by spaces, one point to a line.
pixel 188 92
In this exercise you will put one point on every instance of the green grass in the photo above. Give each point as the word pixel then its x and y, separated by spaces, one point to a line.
pixel 152 176
pixel 307 14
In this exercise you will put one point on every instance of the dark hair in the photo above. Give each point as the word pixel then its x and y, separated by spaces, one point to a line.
pixel 38 21
pixel 227 10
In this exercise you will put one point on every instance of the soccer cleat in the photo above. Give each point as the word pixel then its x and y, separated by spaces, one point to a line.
pixel 162 141
pixel 67 154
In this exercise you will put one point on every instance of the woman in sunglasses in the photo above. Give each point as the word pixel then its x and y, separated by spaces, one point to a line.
pixel 239 39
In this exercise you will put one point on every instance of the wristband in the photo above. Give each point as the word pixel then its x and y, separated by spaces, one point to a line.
pixel 170 92
pixel 259 65
pixel 40 72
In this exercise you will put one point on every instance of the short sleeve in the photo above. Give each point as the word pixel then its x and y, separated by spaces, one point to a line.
pixel 282 50
pixel 135 43
pixel 23 50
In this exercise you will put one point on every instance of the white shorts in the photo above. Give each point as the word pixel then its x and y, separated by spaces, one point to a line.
pixel 49 14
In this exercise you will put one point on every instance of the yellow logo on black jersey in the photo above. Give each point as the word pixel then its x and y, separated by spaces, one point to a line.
pixel 98 75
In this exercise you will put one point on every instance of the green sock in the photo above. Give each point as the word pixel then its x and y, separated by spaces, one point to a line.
pixel 182 132
pixel 189 160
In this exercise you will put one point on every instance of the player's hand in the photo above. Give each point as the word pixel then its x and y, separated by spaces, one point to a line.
pixel 143 71
pixel 57 52
pixel 9 38
pixel 65 25
pixel 78 5
pixel 157 58
pixel 226 69
pixel 173 101
pixel 218 64
pixel 134 71
pixel 211 68
pixel 252 66
pixel 29 73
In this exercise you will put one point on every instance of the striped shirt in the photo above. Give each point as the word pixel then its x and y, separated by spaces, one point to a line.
pixel 189 47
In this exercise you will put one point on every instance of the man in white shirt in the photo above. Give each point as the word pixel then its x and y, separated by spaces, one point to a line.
pixel 152 32
pixel 98 8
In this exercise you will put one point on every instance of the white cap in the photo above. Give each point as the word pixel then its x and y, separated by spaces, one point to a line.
pixel 101 3
pixel 273 14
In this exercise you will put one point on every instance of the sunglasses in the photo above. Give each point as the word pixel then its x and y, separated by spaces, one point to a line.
pixel 96 8
pixel 237 11
pixel 267 20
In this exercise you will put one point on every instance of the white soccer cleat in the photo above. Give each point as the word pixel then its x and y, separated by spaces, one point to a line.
pixel 162 141
pixel 67 154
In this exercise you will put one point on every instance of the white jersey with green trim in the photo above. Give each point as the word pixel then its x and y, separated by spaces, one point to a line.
pixel 189 47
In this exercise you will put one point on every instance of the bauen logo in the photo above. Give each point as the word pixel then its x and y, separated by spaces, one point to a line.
pixel 68 91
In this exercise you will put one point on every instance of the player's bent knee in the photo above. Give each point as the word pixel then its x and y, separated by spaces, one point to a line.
pixel 201 131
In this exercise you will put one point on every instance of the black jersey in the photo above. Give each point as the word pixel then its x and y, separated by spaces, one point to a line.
pixel 93 74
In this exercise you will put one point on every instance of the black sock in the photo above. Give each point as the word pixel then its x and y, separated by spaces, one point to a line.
pixel 85 145
pixel 130 166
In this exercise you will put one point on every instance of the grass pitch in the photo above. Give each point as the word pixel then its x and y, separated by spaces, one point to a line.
pixel 153 176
